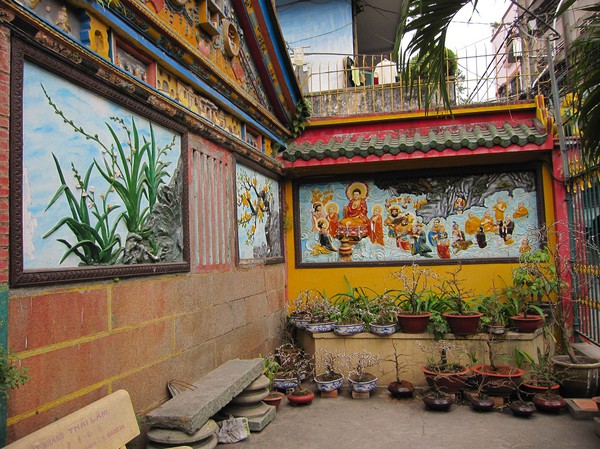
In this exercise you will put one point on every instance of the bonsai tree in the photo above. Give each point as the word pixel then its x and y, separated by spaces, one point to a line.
pixel 399 388
pixel 441 374
pixel 453 293
pixel 332 363
pixel 297 366
pixel 359 362
pixel 382 309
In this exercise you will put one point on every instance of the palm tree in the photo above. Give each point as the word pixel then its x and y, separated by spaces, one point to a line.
pixel 429 21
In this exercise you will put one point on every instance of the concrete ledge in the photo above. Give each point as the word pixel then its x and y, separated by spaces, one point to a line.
pixel 414 352
pixel 191 409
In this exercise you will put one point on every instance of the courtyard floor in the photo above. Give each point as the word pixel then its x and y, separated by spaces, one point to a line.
pixel 381 422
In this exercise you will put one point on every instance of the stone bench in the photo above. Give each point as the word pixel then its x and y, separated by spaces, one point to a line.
pixel 189 410
pixel 108 423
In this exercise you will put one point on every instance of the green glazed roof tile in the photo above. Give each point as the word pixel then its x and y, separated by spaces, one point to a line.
pixel 453 137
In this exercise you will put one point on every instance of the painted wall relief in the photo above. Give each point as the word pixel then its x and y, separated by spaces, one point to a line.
pixel 477 216
pixel 102 186
pixel 258 215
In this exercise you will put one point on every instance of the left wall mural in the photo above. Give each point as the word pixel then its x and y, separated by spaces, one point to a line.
pixel 101 184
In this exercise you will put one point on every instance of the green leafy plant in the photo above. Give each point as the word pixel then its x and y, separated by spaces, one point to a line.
pixel 415 291
pixel 454 295
pixel 352 305
pixel 97 243
pixel 11 375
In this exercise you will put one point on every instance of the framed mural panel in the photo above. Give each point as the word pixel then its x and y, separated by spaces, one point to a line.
pixel 428 218
pixel 98 184
pixel 258 211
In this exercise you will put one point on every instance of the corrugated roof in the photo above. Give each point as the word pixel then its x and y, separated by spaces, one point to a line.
pixel 455 137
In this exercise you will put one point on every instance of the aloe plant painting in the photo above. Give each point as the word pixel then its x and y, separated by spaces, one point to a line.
pixel 98 212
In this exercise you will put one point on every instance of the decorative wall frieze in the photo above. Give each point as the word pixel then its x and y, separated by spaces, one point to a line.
pixel 58 47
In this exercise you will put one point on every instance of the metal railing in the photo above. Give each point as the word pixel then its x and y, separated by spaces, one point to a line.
pixel 345 85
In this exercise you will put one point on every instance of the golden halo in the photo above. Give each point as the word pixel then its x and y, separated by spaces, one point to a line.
pixel 325 226
pixel 378 207
pixel 361 186
pixel 335 207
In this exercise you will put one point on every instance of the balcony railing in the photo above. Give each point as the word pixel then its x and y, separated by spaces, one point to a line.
pixel 346 85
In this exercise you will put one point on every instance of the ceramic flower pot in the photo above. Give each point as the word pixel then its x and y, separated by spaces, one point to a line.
pixel 319 327
pixel 348 329
pixel 274 399
pixel 402 389
pixel 549 402
pixel 383 329
pixel 482 403
pixel 325 384
pixel 580 380
pixel 462 325
pixel 527 325
pixel 438 402
pixel 363 386
pixel 303 397
pixel 446 381
pixel 284 384
pixel 413 323
pixel 523 409
pixel 500 380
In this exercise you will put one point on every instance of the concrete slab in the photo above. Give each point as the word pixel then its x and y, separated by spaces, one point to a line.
pixel 173 436
pixel 191 409
pixel 597 426
pixel 582 408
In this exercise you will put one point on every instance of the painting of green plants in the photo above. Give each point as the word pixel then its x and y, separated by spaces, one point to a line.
pixel 97 180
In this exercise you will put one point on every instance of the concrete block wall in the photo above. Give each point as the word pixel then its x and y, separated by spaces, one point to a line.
pixel 83 342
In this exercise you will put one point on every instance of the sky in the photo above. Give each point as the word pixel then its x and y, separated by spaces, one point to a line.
pixel 463 36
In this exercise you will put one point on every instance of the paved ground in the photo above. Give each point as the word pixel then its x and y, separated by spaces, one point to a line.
pixel 381 422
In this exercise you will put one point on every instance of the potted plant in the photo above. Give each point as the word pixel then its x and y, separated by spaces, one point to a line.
pixel 359 380
pixel 331 379
pixel 494 312
pixel 533 280
pixel 437 400
pixel 539 377
pixel 299 313
pixel 320 313
pixel 298 365
pixel 461 318
pixel 382 314
pixel 286 356
pixel 270 371
pixel 440 374
pixel 414 316
pixel 399 388
pixel 350 310
pixel 496 378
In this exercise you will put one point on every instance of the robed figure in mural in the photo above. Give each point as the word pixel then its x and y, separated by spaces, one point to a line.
pixel 355 212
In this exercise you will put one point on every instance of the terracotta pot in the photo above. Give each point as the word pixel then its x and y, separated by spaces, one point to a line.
pixel 463 324
pixel 402 389
pixel 502 381
pixel 438 402
pixel 529 390
pixel 411 323
pixel 274 399
pixel 549 402
pixel 522 408
pixel 305 398
pixel 451 382
pixel 527 325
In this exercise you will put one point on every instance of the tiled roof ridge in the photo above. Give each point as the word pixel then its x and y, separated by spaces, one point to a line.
pixel 454 136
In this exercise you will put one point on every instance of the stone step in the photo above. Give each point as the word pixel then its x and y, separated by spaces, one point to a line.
pixel 191 409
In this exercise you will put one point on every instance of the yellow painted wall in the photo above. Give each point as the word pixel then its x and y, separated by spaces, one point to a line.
pixel 477 277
